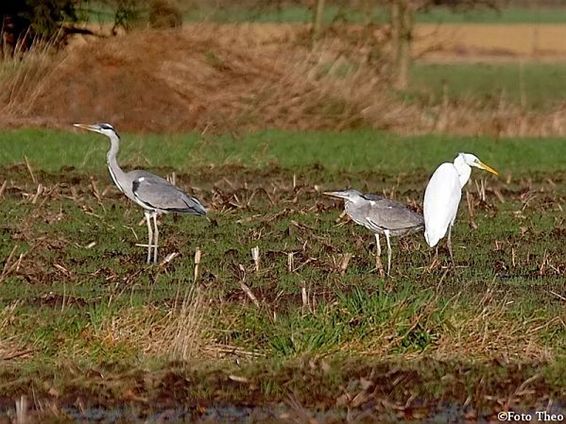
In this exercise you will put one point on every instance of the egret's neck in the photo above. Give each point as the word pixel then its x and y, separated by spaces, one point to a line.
pixel 115 171
pixel 464 170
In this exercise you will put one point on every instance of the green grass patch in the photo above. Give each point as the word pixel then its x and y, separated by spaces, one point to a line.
pixel 76 296
pixel 534 85
pixel 352 151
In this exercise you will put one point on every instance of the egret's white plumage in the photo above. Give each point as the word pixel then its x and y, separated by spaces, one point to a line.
pixel 443 193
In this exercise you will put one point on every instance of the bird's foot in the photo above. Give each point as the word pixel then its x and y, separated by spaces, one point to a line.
pixel 379 267
pixel 434 264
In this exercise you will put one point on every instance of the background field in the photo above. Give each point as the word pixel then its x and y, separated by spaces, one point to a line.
pixel 84 320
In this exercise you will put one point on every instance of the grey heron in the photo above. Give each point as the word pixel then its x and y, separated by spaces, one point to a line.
pixel 379 215
pixel 153 193
pixel 442 196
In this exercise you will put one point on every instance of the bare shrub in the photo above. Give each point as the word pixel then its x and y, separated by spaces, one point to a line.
pixel 229 78
pixel 23 78
pixel 164 14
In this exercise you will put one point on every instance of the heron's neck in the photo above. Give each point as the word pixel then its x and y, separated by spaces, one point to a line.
pixel 115 171
pixel 464 170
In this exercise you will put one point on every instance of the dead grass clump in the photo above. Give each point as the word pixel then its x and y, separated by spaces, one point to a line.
pixel 10 347
pixel 227 78
pixel 506 119
pixel 178 334
pixel 172 81
pixel 23 77
pixel 491 332
pixel 457 330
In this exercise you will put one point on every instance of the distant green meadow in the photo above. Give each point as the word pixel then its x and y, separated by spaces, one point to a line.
pixel 363 150
pixel 537 86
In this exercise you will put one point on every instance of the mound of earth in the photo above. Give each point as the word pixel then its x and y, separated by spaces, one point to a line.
pixel 170 81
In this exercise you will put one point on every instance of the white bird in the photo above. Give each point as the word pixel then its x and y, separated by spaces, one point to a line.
pixel 442 196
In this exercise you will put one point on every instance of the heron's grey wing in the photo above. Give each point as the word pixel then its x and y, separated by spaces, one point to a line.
pixel 390 215
pixel 158 193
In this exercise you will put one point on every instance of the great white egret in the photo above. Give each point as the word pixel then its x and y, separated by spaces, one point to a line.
pixel 443 193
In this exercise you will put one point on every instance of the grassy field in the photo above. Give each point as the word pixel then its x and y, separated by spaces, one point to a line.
pixel 86 326
pixel 535 85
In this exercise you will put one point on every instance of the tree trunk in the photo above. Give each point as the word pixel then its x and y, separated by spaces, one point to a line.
pixel 395 32
pixel 318 19
pixel 402 23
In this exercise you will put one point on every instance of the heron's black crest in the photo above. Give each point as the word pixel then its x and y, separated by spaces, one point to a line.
pixel 106 126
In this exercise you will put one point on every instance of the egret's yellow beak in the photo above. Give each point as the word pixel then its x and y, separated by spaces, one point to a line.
pixel 86 127
pixel 488 168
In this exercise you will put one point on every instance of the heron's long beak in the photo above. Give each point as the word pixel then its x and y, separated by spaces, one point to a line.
pixel 488 168
pixel 86 127
pixel 335 194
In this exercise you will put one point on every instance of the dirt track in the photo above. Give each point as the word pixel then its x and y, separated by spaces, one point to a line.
pixel 490 42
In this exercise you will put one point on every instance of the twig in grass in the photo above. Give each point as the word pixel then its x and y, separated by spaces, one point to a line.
pixel 470 205
pixel 172 178
pixel 38 192
pixel 519 391
pixel 559 296
pixel 28 166
pixel 308 261
pixel 18 354
pixel 305 298
pixel 345 262
pixel 543 263
pixel 96 193
pixel 9 267
pixel 169 258
pixel 232 350
pixel 249 293
pixel 290 262
pixel 238 379
pixel 3 187
pixel 197 263
pixel 22 410
pixel 255 257
pixel 342 215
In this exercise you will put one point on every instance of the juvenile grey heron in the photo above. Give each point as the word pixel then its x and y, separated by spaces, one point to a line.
pixel 153 193
pixel 380 216
pixel 442 196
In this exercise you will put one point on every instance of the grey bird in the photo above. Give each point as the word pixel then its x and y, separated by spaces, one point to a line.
pixel 379 215
pixel 154 194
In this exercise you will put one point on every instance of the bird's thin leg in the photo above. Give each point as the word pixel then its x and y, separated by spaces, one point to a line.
pixel 378 264
pixel 388 252
pixel 449 242
pixel 155 238
pixel 149 235
pixel 434 259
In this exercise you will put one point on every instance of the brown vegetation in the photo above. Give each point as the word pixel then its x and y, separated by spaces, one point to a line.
pixel 240 77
